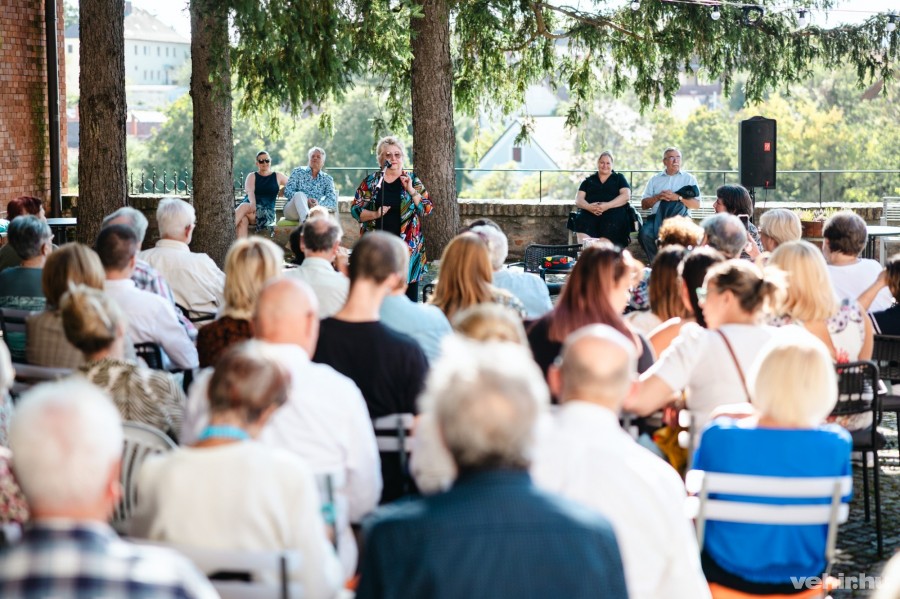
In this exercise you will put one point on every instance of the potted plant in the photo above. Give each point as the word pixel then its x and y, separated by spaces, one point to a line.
pixel 812 221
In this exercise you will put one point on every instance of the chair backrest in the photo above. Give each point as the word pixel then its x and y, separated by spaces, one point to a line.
pixel 393 433
pixel 535 254
pixel 28 375
pixel 151 353
pixel 12 324
pixel 141 441
pixel 243 574
pixel 857 388
pixel 886 353
pixel 736 491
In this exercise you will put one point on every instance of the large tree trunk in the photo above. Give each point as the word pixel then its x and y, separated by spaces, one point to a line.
pixel 101 161
pixel 213 145
pixel 434 137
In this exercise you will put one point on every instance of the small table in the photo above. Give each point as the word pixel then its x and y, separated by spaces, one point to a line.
pixel 878 231
pixel 60 228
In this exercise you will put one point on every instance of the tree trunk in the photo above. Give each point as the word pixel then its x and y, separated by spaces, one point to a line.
pixel 213 145
pixel 102 160
pixel 434 136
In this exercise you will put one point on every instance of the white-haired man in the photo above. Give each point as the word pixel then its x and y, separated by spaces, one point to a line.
pixel 325 420
pixel 320 240
pixel 66 440
pixel 195 279
pixel 587 457
pixel 145 277
pixel 493 534
pixel 529 288
pixel 318 186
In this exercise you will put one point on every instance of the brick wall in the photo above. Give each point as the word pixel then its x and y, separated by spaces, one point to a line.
pixel 24 141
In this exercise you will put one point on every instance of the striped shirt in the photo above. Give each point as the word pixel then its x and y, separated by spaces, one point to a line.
pixel 152 397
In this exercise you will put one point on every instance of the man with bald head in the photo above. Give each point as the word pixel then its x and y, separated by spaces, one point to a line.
pixel 587 457
pixel 325 420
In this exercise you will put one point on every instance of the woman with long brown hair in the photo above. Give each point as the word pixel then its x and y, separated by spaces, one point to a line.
pixel 596 293
pixel 465 278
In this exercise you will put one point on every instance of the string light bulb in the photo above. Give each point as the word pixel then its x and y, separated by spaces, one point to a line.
pixel 802 21
pixel 635 4
pixel 715 15
pixel 892 23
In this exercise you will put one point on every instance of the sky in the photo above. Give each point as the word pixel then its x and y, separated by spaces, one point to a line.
pixel 175 13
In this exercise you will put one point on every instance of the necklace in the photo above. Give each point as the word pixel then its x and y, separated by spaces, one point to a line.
pixel 223 432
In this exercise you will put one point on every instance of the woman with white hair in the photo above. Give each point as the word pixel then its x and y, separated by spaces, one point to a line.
pixel 778 226
pixel 311 181
pixel 793 389
pixel 395 201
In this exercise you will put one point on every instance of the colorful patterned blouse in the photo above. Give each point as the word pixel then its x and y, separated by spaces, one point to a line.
pixel 410 226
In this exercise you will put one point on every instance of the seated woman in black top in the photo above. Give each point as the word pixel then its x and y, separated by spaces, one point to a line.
pixel 602 200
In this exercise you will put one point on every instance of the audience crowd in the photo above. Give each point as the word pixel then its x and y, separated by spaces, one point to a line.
pixel 541 455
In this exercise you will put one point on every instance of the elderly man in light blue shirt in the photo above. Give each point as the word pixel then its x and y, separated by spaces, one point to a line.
pixel 663 187
pixel 529 288
pixel 318 186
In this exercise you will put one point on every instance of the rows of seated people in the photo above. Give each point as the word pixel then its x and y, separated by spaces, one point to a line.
pixel 522 481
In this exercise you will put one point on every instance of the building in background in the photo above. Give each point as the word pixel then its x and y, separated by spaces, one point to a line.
pixel 24 121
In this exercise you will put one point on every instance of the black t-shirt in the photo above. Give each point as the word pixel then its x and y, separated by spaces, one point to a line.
pixel 887 322
pixel 595 191
pixel 387 366
pixel 391 198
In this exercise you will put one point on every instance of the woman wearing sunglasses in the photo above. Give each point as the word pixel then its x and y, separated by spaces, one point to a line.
pixel 262 187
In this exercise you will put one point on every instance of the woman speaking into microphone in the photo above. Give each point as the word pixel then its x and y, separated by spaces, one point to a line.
pixel 394 200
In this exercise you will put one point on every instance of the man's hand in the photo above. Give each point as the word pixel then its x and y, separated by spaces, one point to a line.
pixel 310 202
pixel 668 196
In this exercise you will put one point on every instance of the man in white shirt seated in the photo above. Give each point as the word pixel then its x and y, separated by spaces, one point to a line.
pixel 150 317
pixel 66 441
pixel 325 420
pixel 195 279
pixel 320 240
pixel 529 288
pixel 587 457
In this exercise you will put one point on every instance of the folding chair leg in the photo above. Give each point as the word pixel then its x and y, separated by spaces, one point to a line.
pixel 865 477
pixel 877 480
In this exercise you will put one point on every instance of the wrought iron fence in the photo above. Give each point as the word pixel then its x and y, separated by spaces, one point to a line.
pixel 545 184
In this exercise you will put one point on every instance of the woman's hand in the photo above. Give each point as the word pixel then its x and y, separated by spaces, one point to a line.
pixel 375 214
pixel 406 182
pixel 597 209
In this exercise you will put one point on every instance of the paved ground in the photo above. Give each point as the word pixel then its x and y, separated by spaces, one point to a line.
pixel 857 553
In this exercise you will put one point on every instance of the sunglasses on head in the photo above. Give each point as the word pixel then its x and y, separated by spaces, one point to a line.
pixel 264 161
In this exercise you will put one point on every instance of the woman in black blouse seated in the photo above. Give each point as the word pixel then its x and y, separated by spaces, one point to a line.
pixel 601 199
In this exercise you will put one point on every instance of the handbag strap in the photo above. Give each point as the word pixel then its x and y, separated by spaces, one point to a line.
pixel 736 363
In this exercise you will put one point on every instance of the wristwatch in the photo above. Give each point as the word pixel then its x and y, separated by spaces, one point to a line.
pixel 680 199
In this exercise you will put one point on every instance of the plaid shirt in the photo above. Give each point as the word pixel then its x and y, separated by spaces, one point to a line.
pixel 64 558
pixel 147 278
pixel 321 188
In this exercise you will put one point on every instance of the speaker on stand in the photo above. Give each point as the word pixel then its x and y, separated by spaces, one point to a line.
pixel 757 155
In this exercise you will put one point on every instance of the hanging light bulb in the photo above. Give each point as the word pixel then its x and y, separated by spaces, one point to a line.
pixel 802 21
pixel 715 15
pixel 892 23
pixel 635 4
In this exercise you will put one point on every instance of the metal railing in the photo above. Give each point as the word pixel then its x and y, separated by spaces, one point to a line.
pixel 561 184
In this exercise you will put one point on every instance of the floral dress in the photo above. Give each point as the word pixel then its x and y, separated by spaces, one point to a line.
pixel 410 219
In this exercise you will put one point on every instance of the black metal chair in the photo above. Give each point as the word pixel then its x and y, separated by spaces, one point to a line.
pixel 857 395
pixel 533 261
pixel 12 324
pixel 886 354
pixel 427 292
pixel 152 354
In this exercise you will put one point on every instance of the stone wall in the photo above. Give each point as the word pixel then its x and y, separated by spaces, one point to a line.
pixel 524 222
pixel 24 141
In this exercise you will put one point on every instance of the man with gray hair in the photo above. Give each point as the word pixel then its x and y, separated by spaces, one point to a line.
pixel 668 193
pixel 320 241
pixel 66 440
pixel 529 288
pixel 493 534
pixel 726 233
pixel 145 277
pixel 196 281
pixel 587 457
pixel 311 181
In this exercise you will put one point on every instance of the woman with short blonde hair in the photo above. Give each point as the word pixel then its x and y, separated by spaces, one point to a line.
pixel 250 263
pixel 490 322
pixel 778 226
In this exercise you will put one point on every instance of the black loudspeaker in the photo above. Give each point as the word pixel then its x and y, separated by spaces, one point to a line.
pixel 757 154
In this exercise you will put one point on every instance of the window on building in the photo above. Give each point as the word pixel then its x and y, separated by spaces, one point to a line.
pixel 69 48
pixel 146 50
pixel 517 154
pixel 167 52
pixel 158 51
pixel 135 50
